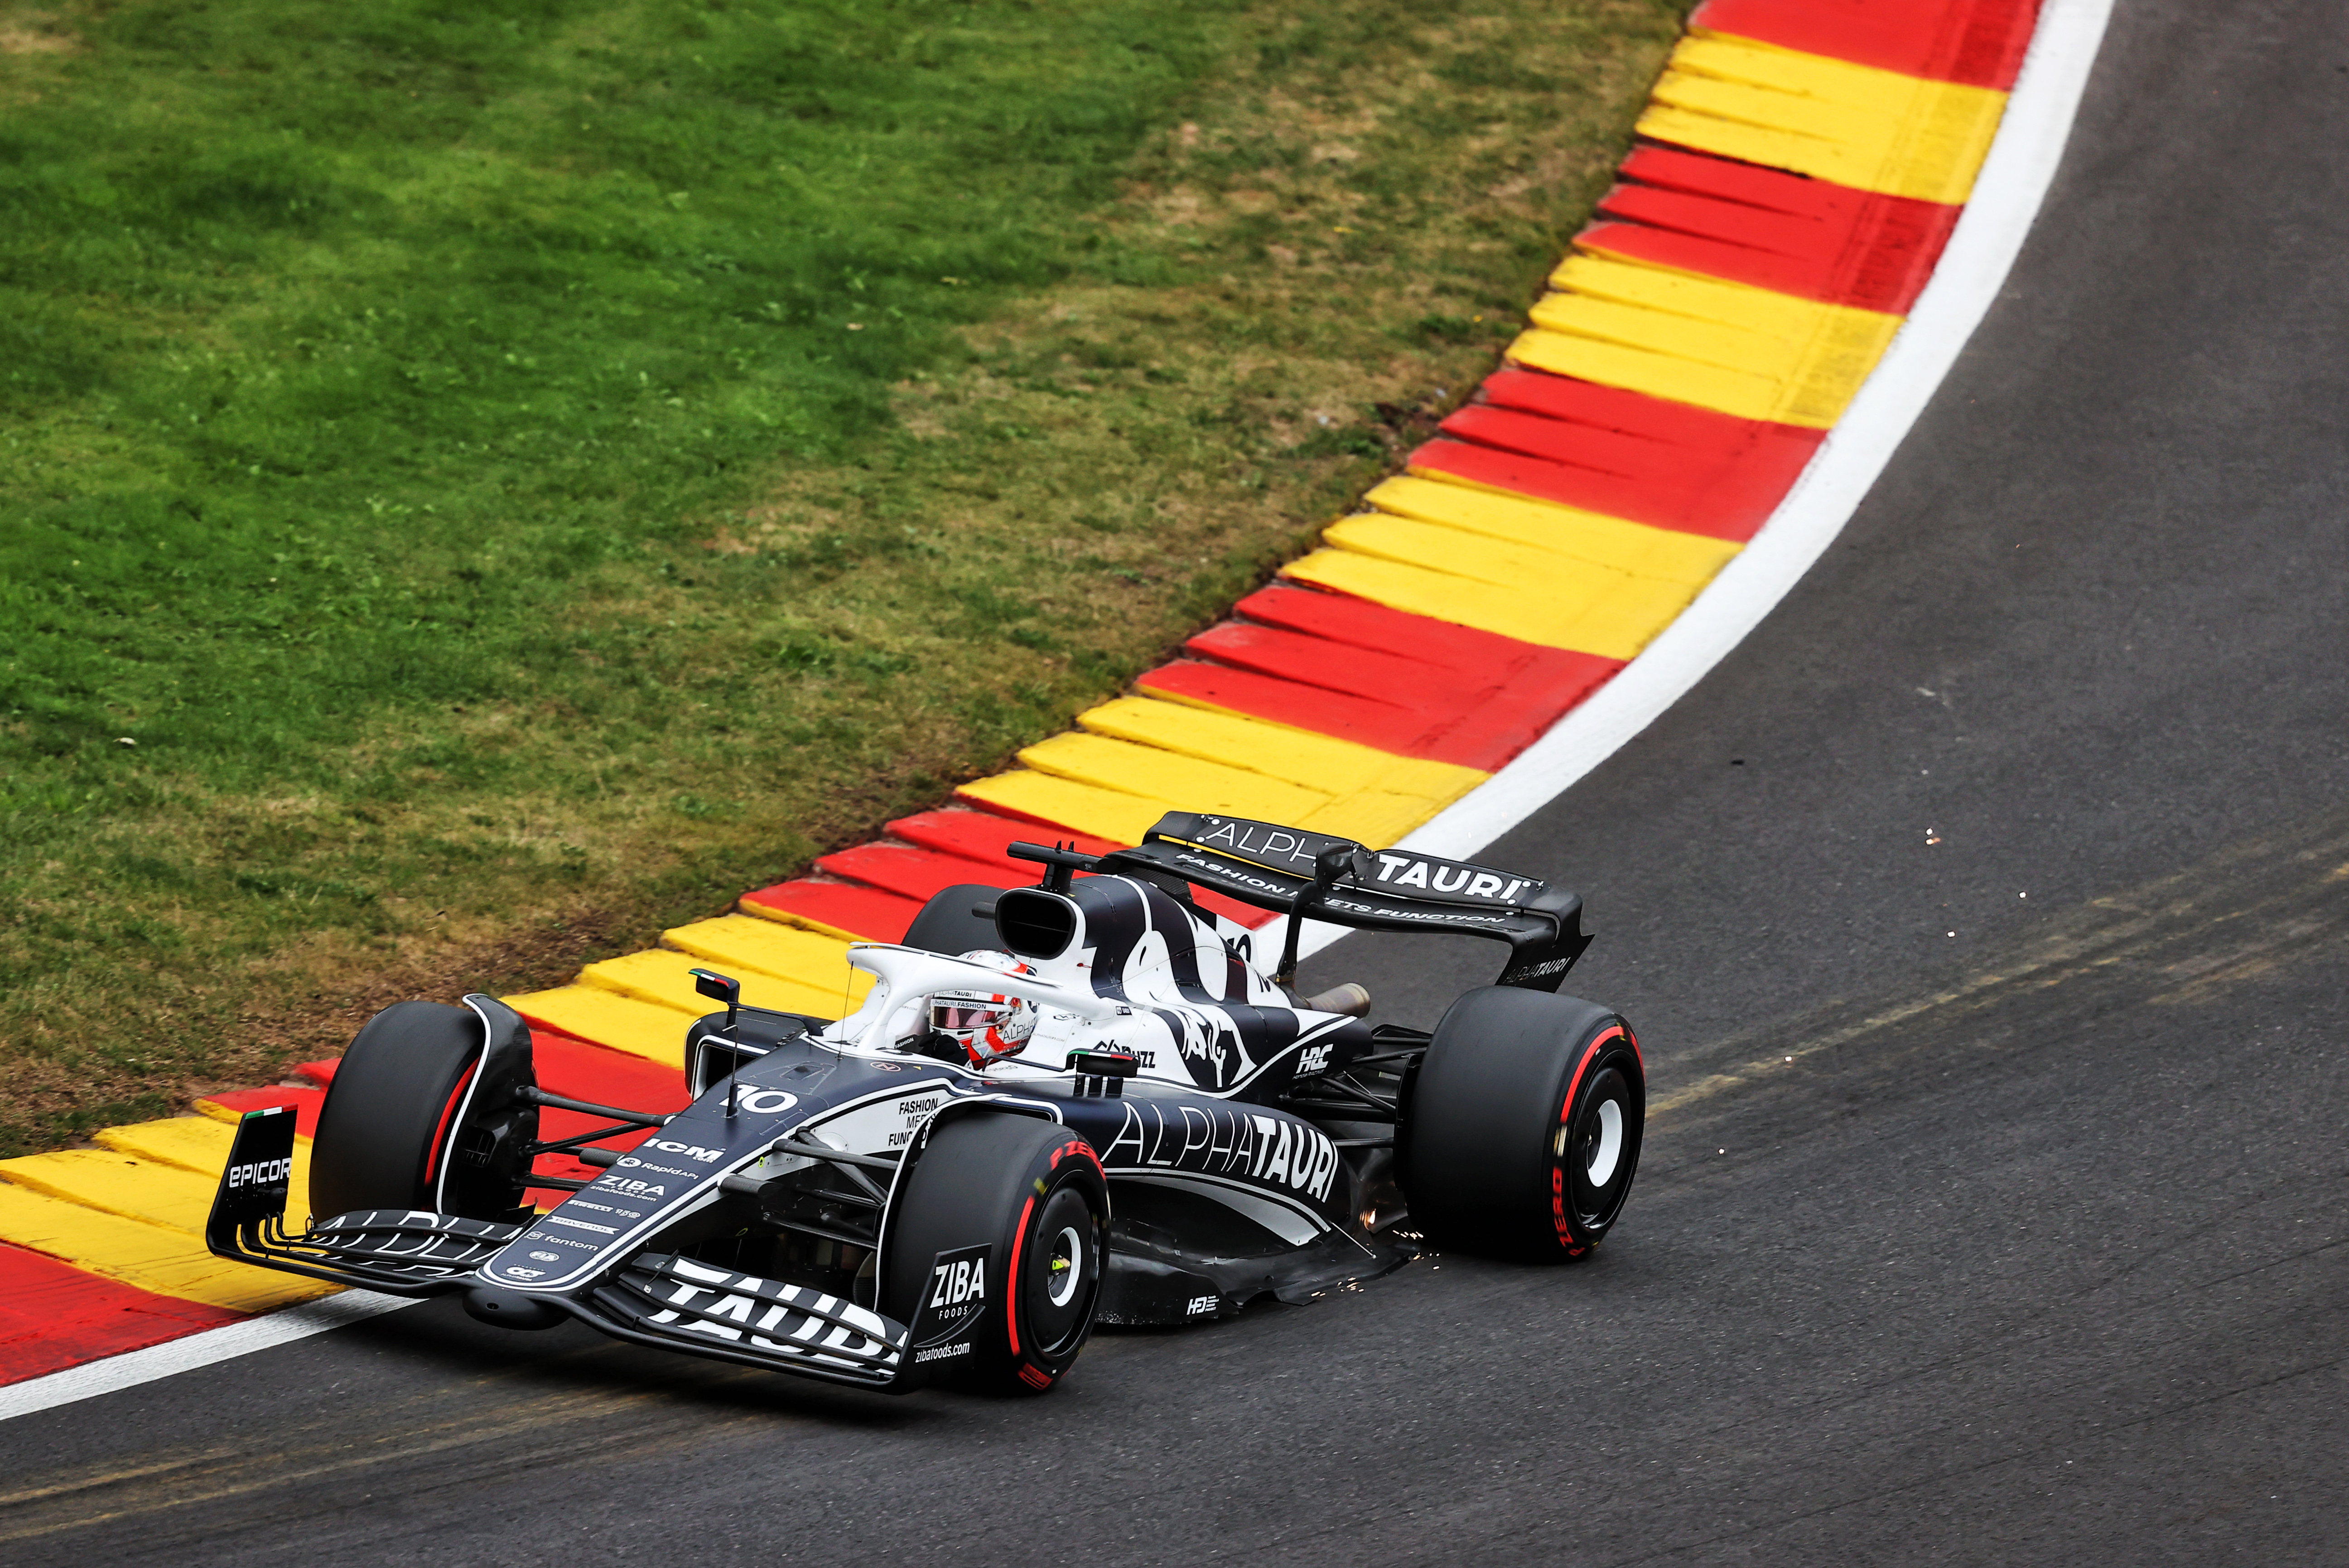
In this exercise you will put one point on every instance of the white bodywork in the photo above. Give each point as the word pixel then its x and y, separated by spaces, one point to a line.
pixel 1179 1034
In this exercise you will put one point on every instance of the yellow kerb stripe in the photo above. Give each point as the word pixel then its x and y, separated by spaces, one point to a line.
pixel 1575 605
pixel 142 1189
pixel 646 1029
pixel 1635 548
pixel 169 1261
pixel 1139 758
pixel 1155 775
pixel 1855 125
pixel 1317 761
pixel 661 977
pixel 134 1211
pixel 198 1142
pixel 1751 352
pixel 640 1003
pixel 1533 609
pixel 1064 803
pixel 816 961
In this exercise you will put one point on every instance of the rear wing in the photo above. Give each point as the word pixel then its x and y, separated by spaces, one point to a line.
pixel 1312 874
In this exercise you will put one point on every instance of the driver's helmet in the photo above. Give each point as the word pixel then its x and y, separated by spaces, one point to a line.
pixel 987 1025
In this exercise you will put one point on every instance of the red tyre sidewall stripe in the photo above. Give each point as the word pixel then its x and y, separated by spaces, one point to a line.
pixel 1615 1031
pixel 1011 1281
pixel 441 1133
pixel 1566 1114
pixel 1018 1240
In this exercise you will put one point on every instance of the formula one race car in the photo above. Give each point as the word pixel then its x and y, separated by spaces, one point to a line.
pixel 1077 1103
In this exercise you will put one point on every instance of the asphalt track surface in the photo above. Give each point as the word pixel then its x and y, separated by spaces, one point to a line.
pixel 2037 1251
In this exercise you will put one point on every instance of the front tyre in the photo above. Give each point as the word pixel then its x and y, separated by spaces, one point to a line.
pixel 1524 1125
pixel 423 1114
pixel 1034 1192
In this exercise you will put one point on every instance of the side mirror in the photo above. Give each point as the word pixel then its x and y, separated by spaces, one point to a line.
pixel 719 988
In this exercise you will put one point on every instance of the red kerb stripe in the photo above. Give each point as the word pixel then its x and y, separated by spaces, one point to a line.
pixel 1775 230
pixel 866 912
pixel 921 872
pixel 1979 42
pixel 304 1102
pixel 1358 624
pixel 1620 454
pixel 983 835
pixel 582 1071
pixel 1404 683
pixel 54 1315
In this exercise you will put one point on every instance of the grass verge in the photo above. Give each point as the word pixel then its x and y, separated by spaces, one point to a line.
pixel 479 485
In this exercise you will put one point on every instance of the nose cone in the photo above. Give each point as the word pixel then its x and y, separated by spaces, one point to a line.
pixel 511 1309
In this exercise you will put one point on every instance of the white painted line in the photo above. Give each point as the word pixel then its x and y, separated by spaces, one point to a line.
pixel 225 1343
pixel 1988 236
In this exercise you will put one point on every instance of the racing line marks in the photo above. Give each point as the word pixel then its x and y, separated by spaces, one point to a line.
pixel 2263 899
pixel 216 1475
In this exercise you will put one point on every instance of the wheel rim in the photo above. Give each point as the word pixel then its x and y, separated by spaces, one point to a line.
pixel 1599 1148
pixel 1056 1294
pixel 1605 1145
pixel 1066 1268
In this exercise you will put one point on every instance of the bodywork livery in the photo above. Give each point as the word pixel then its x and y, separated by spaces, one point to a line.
pixel 1247 1137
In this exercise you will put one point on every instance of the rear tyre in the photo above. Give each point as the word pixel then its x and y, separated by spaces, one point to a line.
pixel 406 1126
pixel 945 924
pixel 1522 1129
pixel 1034 1192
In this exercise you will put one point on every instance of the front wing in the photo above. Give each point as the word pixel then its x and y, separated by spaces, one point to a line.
pixel 648 1298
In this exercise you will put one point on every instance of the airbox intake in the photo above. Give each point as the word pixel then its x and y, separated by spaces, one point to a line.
pixel 1035 924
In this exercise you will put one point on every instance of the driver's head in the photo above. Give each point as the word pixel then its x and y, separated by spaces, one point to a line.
pixel 988 1025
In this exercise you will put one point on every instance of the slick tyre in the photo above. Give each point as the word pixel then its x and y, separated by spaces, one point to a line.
pixel 1034 1192
pixel 945 924
pixel 1523 1128
pixel 398 1123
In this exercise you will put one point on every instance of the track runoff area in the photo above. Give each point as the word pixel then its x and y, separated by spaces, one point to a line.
pixel 1649 470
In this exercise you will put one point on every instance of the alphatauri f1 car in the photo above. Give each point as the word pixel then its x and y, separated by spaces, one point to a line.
pixel 1082 1102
